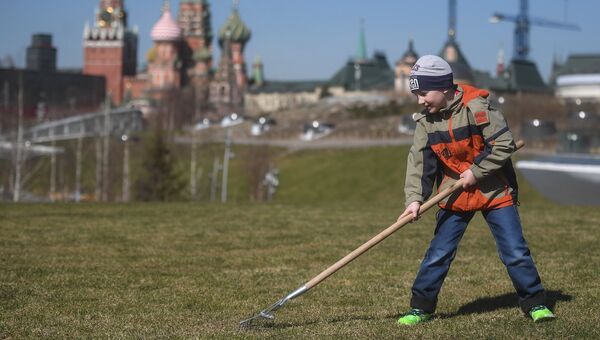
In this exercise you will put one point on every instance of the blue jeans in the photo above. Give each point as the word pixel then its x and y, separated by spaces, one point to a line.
pixel 505 226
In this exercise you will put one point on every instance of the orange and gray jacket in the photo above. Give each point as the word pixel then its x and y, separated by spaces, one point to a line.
pixel 468 134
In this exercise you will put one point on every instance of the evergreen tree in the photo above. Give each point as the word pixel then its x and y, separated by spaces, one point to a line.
pixel 159 180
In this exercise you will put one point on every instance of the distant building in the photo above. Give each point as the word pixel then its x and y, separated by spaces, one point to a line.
pixel 194 19
pixel 165 60
pixel 520 76
pixel 462 72
pixel 48 95
pixel 578 79
pixel 110 47
pixel 180 58
pixel 267 96
pixel 270 96
pixel 576 84
pixel 403 68
pixel 41 55
pixel 353 81
pixel 367 75
pixel 230 80
pixel 360 74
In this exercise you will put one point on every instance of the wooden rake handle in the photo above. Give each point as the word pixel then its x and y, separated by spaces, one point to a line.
pixel 387 232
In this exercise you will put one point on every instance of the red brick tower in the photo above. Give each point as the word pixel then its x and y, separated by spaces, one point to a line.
pixel 110 47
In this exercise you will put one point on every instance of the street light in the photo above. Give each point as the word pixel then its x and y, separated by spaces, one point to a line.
pixel 125 190
pixel 496 18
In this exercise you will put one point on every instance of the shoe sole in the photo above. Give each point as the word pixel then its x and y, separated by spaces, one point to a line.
pixel 545 319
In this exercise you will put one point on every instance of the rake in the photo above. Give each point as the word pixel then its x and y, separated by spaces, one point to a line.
pixel 267 314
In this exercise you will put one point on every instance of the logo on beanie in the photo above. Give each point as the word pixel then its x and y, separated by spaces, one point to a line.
pixel 414 69
pixel 413 83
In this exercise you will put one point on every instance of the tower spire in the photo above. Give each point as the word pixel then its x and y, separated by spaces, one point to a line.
pixel 500 68
pixel 451 20
pixel 166 7
pixel 361 49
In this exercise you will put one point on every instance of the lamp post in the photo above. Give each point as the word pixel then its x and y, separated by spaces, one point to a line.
pixel 106 148
pixel 193 162
pixel 226 157
pixel 125 191
pixel 78 161
pixel 19 155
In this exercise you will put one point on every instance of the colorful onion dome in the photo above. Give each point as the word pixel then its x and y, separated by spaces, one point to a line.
pixel 166 29
pixel 235 27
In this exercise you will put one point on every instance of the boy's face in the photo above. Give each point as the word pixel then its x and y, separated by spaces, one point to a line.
pixel 433 100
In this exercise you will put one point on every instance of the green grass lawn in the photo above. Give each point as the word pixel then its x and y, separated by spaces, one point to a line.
pixel 186 270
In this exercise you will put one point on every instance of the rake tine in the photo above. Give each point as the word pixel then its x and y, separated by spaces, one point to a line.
pixel 268 313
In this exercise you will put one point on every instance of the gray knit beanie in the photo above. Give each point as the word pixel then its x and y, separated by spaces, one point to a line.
pixel 430 72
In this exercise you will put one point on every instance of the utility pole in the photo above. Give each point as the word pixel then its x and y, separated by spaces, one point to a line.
pixel 106 148
pixel 6 101
pixel 193 184
pixel 52 167
pixel 98 191
pixel 213 180
pixel 78 161
pixel 125 192
pixel 226 157
pixel 19 156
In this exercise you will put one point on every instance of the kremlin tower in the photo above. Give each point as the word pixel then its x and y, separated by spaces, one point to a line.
pixel 110 47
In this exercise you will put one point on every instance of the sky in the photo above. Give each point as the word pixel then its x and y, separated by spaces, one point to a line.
pixel 312 39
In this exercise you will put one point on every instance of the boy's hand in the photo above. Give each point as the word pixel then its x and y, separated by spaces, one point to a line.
pixel 469 179
pixel 412 209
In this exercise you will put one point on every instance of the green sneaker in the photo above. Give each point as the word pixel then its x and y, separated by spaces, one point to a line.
pixel 413 317
pixel 541 313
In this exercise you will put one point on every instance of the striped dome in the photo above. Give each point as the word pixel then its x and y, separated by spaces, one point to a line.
pixel 236 29
pixel 166 28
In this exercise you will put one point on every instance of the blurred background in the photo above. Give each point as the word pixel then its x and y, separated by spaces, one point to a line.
pixel 114 100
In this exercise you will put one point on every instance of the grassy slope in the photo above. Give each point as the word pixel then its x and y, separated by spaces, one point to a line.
pixel 363 176
pixel 189 270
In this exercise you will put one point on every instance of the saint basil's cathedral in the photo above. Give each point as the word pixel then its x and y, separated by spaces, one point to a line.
pixel 181 56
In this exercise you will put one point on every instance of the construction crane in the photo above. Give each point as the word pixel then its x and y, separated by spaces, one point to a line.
pixel 523 21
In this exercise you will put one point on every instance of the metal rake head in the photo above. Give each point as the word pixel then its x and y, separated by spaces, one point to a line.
pixel 262 317
pixel 267 314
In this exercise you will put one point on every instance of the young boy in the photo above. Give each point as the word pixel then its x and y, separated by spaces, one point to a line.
pixel 458 135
